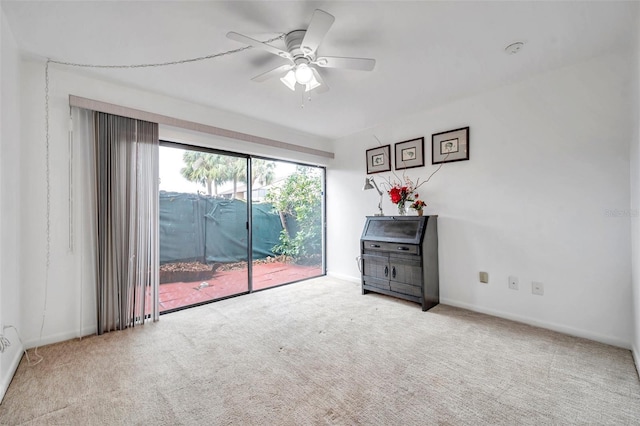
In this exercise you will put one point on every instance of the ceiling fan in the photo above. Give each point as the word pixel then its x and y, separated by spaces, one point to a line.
pixel 301 52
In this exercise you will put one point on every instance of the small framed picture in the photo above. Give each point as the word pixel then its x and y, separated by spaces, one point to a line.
pixel 409 154
pixel 379 159
pixel 449 146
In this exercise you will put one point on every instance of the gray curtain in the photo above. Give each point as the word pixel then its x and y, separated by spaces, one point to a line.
pixel 126 168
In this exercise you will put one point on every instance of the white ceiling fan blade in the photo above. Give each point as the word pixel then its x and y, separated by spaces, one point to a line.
pixel 323 85
pixel 361 64
pixel 276 72
pixel 260 45
pixel 320 23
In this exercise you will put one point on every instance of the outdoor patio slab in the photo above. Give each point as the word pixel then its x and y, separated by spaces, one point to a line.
pixel 228 283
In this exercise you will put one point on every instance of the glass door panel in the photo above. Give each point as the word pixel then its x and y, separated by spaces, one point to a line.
pixel 203 226
pixel 287 224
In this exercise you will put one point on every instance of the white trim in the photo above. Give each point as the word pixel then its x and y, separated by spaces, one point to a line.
pixel 526 320
pixel 11 371
pixel 77 101
pixel 62 337
pixel 636 358
pixel 542 324
pixel 344 277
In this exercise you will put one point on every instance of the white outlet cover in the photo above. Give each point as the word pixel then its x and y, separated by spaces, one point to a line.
pixel 537 288
pixel 513 282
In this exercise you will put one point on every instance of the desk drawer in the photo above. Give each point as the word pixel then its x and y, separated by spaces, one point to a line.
pixel 390 247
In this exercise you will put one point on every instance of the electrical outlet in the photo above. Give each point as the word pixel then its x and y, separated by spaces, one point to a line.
pixel 484 277
pixel 537 288
pixel 513 282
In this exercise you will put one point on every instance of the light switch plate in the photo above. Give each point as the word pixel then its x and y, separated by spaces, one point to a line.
pixel 484 277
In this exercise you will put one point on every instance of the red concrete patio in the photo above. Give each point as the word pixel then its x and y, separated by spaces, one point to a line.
pixel 228 283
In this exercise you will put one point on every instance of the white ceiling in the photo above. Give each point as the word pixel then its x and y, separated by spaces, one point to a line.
pixel 427 52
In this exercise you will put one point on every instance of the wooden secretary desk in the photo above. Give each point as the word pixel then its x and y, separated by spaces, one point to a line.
pixel 399 256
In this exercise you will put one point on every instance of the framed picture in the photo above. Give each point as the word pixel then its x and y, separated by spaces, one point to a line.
pixel 450 146
pixel 409 154
pixel 379 159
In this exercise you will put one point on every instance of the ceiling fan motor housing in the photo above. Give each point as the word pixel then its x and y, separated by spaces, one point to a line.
pixel 293 41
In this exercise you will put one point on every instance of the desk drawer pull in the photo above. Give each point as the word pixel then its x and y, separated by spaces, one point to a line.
pixel 374 245
pixel 403 248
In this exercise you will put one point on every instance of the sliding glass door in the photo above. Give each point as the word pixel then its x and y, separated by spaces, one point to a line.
pixel 216 205
pixel 288 199
pixel 203 226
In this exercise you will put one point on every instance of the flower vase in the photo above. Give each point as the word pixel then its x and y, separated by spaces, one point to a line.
pixel 419 212
pixel 402 209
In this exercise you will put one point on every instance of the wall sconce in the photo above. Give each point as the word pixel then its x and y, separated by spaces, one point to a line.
pixel 369 183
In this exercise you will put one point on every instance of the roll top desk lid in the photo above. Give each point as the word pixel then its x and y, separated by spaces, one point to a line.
pixel 397 229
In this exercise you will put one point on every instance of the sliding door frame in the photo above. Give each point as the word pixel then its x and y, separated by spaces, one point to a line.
pixel 249 222
pixel 323 208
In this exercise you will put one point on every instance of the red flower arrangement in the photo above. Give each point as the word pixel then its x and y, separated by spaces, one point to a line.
pixel 401 193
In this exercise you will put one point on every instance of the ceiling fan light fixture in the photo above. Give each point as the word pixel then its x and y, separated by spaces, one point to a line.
pixel 312 84
pixel 303 74
pixel 289 80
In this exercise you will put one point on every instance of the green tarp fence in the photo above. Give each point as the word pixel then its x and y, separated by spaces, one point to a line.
pixel 210 229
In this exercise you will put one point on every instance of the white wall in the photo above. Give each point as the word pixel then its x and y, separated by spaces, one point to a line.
pixel 67 315
pixel 635 198
pixel 10 277
pixel 543 197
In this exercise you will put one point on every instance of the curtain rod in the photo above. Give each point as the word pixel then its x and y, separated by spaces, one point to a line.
pixel 77 101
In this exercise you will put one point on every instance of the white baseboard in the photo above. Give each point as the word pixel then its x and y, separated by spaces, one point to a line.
pixel 5 381
pixel 11 371
pixel 636 358
pixel 542 324
pixel 526 320
pixel 344 277
pixel 60 337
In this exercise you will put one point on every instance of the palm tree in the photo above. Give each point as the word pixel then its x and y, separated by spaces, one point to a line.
pixel 211 170
pixel 237 172
pixel 262 171
pixel 207 169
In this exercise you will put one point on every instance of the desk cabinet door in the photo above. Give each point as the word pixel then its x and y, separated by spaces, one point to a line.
pixel 375 270
pixel 375 266
pixel 408 271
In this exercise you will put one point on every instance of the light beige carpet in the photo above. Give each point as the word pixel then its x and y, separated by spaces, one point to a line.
pixel 318 352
